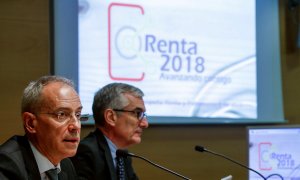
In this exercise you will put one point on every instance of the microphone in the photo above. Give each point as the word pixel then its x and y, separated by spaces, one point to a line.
pixel 202 149
pixel 125 153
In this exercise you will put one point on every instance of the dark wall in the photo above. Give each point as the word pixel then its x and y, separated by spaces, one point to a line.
pixel 24 56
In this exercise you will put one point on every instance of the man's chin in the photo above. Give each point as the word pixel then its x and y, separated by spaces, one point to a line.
pixel 137 140
pixel 70 153
pixel 71 149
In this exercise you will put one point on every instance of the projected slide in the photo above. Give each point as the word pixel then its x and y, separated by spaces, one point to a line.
pixel 193 58
pixel 275 153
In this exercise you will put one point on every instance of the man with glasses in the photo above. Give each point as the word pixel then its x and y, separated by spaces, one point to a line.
pixel 51 113
pixel 119 114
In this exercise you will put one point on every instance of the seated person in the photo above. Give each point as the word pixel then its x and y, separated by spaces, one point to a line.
pixel 119 113
pixel 51 111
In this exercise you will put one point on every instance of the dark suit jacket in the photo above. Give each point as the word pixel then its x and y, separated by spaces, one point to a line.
pixel 17 162
pixel 93 160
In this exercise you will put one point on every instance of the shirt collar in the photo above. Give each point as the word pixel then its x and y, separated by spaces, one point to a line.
pixel 112 148
pixel 43 163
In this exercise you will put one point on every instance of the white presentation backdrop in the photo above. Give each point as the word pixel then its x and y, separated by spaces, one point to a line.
pixel 193 58
pixel 197 61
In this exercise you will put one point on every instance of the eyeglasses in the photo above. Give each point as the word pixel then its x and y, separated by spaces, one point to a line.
pixel 64 116
pixel 140 115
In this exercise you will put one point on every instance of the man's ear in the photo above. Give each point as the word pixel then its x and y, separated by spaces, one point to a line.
pixel 29 121
pixel 110 117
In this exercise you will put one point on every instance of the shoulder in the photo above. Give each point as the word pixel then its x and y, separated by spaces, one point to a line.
pixel 93 142
pixel 89 139
pixel 67 170
pixel 91 152
pixel 10 146
pixel 11 159
pixel 93 158
pixel 66 165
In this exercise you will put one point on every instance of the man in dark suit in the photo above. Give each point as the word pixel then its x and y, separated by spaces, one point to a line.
pixel 51 112
pixel 119 114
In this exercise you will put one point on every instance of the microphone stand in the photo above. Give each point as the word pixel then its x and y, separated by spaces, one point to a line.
pixel 159 166
pixel 202 149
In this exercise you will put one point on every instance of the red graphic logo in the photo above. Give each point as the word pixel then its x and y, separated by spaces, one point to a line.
pixel 110 44
pixel 264 156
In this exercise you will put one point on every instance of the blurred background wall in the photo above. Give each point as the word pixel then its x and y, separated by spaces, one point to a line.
pixel 24 56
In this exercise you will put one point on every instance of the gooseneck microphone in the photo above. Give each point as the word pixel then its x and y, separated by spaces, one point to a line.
pixel 125 153
pixel 202 149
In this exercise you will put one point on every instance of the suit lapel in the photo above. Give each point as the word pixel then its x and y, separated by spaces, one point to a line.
pixel 30 162
pixel 62 175
pixel 102 143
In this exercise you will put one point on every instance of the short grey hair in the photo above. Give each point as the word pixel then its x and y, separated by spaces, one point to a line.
pixel 32 99
pixel 112 96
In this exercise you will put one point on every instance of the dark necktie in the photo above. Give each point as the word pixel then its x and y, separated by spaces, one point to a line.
pixel 120 168
pixel 52 174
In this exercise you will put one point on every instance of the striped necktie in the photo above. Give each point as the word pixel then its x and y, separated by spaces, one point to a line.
pixel 120 168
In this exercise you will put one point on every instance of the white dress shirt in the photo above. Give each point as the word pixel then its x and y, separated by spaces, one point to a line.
pixel 43 163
